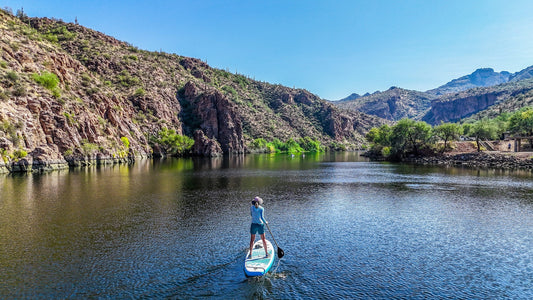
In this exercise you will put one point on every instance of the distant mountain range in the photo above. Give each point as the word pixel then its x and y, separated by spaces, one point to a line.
pixel 451 102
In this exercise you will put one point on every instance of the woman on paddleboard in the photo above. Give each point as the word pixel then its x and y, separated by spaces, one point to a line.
pixel 258 223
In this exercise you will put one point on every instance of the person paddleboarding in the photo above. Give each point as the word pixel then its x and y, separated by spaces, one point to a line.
pixel 258 224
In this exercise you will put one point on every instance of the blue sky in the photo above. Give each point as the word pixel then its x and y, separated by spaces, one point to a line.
pixel 331 48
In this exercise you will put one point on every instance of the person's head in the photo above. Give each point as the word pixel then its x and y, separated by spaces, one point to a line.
pixel 257 201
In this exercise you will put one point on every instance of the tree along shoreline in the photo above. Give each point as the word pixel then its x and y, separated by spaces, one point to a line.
pixel 416 141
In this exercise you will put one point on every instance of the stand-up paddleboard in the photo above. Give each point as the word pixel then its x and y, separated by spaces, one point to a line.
pixel 258 264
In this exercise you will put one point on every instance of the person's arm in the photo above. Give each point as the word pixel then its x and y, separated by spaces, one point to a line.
pixel 263 215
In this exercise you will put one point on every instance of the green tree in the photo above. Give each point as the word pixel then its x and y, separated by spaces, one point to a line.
pixel 447 132
pixel 483 129
pixel 521 122
pixel 380 136
pixel 174 143
pixel 310 145
pixel 420 136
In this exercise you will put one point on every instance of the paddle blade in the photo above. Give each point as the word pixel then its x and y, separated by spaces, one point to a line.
pixel 280 252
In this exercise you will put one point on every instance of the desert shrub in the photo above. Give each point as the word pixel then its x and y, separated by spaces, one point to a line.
pixel 241 80
pixel 19 153
pixel 70 118
pixel 19 91
pixel 58 34
pixel 3 95
pixel 140 92
pixel 125 142
pixel 310 145
pixel 68 152
pixel 46 79
pixel 12 76
pixel 88 148
pixel 230 90
pixel 259 143
pixel 173 143
pixel 127 80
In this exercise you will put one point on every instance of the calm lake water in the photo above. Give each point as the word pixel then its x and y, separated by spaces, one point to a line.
pixel 350 228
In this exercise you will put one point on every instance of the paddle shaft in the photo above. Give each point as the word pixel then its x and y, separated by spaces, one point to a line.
pixel 281 253
pixel 272 235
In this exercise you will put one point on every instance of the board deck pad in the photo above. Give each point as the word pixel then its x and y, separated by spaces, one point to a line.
pixel 259 265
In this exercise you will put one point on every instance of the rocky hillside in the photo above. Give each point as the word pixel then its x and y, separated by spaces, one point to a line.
pixel 71 94
pixel 393 104
pixel 504 97
pixel 458 99
pixel 509 104
pixel 526 73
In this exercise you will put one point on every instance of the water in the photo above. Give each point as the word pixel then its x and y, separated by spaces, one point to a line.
pixel 350 228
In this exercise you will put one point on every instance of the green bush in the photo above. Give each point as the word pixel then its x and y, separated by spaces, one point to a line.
pixel 88 148
pixel 46 79
pixel 60 33
pixel 259 143
pixel 241 80
pixel 310 145
pixel 12 76
pixel 68 152
pixel 140 92
pixel 173 143
pixel 51 37
pixel 125 142
pixel 127 80
pixel 230 90
pixel 19 153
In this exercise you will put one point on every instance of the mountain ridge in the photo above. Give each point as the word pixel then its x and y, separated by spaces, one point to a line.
pixel 457 99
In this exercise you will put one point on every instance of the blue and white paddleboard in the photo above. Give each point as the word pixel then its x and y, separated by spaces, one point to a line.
pixel 258 264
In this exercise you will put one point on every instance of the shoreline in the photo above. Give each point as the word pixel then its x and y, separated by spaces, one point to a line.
pixel 484 159
pixel 487 159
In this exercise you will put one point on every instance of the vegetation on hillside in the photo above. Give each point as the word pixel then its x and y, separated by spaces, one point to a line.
pixel 417 137
pixel 291 146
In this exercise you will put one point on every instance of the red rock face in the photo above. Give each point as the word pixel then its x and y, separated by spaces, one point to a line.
pixel 452 111
pixel 218 120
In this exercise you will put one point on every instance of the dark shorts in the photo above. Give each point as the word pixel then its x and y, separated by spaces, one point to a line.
pixel 257 228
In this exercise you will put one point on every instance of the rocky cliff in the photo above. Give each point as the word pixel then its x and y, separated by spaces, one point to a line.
pixel 474 94
pixel 454 107
pixel 70 95
pixel 393 104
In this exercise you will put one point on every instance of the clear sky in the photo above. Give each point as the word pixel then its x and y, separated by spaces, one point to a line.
pixel 331 48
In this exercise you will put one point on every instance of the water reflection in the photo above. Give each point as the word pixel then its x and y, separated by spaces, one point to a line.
pixel 350 228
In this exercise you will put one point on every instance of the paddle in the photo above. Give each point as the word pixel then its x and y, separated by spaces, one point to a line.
pixel 280 251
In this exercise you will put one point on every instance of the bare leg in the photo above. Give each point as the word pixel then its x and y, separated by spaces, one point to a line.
pixel 264 244
pixel 252 240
